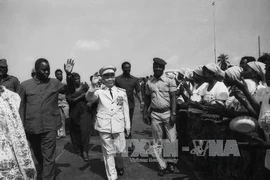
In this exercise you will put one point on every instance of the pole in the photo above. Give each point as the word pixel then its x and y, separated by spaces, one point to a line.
pixel 259 46
pixel 215 48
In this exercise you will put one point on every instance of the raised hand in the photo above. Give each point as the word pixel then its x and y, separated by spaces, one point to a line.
pixel 85 87
pixel 69 66
pixel 95 81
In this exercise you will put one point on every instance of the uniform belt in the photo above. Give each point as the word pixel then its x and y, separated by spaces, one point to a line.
pixel 160 110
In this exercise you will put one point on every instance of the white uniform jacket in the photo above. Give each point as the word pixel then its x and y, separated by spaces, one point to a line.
pixel 112 113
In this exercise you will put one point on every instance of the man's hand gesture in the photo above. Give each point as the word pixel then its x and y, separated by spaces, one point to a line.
pixel 69 66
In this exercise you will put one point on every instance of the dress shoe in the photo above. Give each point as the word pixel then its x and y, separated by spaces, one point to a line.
pixel 161 172
pixel 120 172
pixel 170 167
pixel 85 156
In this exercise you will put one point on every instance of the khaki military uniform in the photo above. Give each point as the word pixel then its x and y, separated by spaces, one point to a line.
pixel 159 90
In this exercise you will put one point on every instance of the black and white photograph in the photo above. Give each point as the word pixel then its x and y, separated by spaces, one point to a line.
pixel 134 90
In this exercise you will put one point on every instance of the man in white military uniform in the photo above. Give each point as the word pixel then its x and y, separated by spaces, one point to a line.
pixel 112 119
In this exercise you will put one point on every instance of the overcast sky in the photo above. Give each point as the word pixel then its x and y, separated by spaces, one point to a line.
pixel 107 32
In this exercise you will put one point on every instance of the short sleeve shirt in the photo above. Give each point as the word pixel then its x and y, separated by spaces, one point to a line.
pixel 259 93
pixel 41 105
pixel 130 84
pixel 264 121
pixel 264 116
pixel 160 89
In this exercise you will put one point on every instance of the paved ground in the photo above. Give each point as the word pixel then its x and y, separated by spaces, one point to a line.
pixel 72 167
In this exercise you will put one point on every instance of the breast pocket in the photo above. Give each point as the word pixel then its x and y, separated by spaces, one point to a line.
pixel 153 88
pixel 164 91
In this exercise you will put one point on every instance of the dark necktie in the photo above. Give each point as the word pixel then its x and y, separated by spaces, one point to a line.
pixel 111 92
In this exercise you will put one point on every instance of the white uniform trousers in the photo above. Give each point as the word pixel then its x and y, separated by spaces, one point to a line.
pixel 111 144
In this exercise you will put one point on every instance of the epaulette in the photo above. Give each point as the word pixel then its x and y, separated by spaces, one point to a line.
pixel 151 78
pixel 121 89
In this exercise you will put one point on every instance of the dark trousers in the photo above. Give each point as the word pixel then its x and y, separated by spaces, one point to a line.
pixel 43 146
pixel 131 111
pixel 80 133
pixel 182 130
pixel 93 114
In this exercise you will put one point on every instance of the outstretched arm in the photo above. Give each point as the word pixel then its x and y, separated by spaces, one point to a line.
pixel 242 85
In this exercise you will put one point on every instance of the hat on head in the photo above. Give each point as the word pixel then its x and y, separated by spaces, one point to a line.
pixel 159 61
pixel 107 69
pixel 234 73
pixel 3 63
pixel 215 69
pixel 199 70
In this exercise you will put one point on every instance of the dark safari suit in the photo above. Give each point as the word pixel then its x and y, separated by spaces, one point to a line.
pixel 42 120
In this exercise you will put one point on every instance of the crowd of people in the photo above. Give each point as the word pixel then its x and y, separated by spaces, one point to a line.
pixel 37 110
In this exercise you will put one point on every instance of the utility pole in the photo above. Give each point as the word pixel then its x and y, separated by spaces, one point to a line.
pixel 215 48
pixel 259 46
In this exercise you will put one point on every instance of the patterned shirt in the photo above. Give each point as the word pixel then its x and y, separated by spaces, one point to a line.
pixel 15 156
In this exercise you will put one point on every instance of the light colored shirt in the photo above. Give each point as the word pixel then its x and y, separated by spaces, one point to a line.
pixel 218 93
pixel 234 104
pixel 15 155
pixel 259 93
pixel 264 121
pixel 160 89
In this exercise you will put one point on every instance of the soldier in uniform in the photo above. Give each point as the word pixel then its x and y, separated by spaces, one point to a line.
pixel 160 96
pixel 10 82
pixel 111 121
